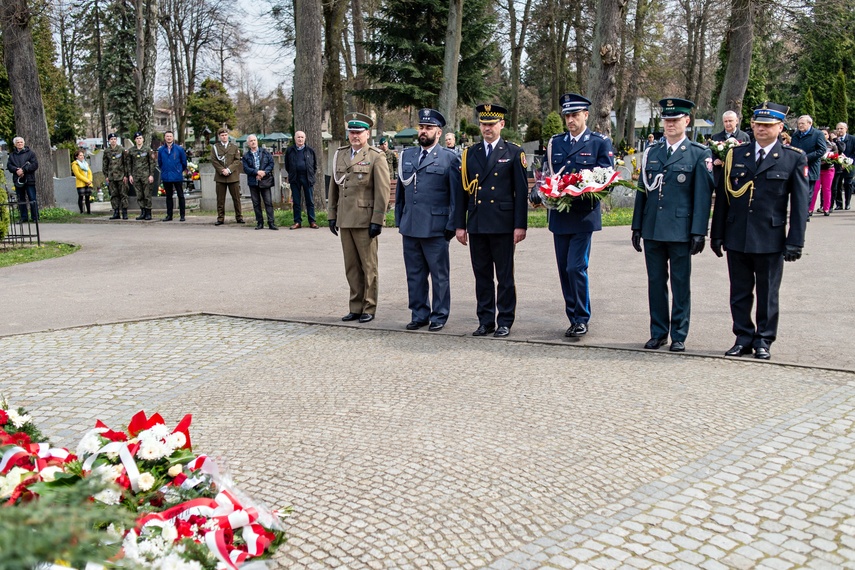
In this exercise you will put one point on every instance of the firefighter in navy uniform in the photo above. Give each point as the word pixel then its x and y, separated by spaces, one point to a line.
pixel 760 180
pixel 578 149
pixel 492 213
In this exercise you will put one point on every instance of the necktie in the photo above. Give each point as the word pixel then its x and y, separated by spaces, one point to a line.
pixel 422 157
pixel 760 156
pixel 572 142
pixel 488 148
pixel 669 153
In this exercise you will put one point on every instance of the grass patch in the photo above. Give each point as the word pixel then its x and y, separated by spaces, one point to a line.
pixel 613 217
pixel 56 215
pixel 27 254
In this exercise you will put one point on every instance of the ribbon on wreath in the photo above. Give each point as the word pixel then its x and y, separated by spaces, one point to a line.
pixel 41 451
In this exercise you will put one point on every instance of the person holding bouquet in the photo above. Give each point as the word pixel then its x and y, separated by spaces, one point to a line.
pixel 671 216
pixel 826 176
pixel 843 188
pixel 573 151
pixel 730 120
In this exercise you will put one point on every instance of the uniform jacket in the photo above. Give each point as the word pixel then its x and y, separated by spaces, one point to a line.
pixel 226 157
pixel 848 148
pixel 265 163
pixel 498 203
pixel 738 134
pixel 291 163
pixel 757 222
pixel 392 161
pixel 424 207
pixel 680 207
pixel 813 144
pixel 592 149
pixel 115 163
pixel 359 189
pixel 26 160
pixel 140 164
pixel 82 178
pixel 172 163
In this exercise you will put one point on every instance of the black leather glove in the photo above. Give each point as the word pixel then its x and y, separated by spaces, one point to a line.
pixel 535 198
pixel 716 245
pixel 333 229
pixel 698 243
pixel 792 253
pixel 448 234
pixel 636 240
pixel 374 230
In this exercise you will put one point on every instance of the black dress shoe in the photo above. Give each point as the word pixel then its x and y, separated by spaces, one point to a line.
pixel 484 330
pixel 240 221
pixel 579 329
pixel 273 227
pixel 181 219
pixel 167 219
pixel 219 223
pixel 655 343
pixel 416 325
pixel 259 226
pixel 569 331
pixel 366 318
pixel 677 346
pixel 436 327
pixel 738 350
pixel 351 317
pixel 762 353
pixel 502 332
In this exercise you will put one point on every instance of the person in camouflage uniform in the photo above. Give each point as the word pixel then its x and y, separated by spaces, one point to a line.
pixel 391 158
pixel 141 165
pixel 115 170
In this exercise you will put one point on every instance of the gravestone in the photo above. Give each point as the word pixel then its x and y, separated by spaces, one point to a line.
pixel 61 163
pixel 65 192
pixel 209 189
pixel 96 161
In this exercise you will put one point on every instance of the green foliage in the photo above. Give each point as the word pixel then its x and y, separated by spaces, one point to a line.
pixel 510 134
pixel 118 57
pixel 4 212
pixel 48 250
pixel 472 130
pixel 534 131
pixel 553 125
pixel 808 107
pixel 839 100
pixel 7 111
pixel 283 116
pixel 210 107
pixel 56 214
pixel 408 49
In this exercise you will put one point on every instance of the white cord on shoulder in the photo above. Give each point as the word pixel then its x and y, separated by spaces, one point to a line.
pixel 657 180
pixel 406 181
pixel 338 181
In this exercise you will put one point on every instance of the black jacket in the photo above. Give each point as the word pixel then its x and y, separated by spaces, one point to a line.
pixel 291 163
pixel 813 144
pixel 26 160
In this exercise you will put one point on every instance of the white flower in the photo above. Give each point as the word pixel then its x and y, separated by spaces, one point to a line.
pixel 169 532
pixel 18 420
pixel 175 470
pixel 90 443
pixel 145 481
pixel 152 450
pixel 176 440
pixel 49 473
pixel 176 562
pixel 108 497
pixel 159 432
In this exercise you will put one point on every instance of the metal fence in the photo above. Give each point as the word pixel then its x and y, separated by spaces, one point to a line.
pixel 19 232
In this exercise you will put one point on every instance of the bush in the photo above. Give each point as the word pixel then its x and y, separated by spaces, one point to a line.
pixel 4 213
pixel 552 126
pixel 535 130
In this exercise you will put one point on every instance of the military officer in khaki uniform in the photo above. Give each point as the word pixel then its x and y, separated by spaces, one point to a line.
pixel 358 199
pixel 226 158
pixel 141 165
pixel 115 170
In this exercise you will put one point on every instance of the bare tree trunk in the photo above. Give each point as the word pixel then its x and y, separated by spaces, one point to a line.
pixel 308 85
pixel 333 11
pixel 620 98
pixel 101 84
pixel 448 91
pixel 605 58
pixel 740 38
pixel 517 45
pixel 146 56
pixel 30 122
pixel 638 38
pixel 359 52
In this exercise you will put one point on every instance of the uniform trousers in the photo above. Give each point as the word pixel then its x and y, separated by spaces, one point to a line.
pixel 572 252
pixel 143 191
pixel 360 267
pixel 750 271
pixel 118 194
pixel 425 257
pixel 659 257
pixel 233 189
pixel 493 255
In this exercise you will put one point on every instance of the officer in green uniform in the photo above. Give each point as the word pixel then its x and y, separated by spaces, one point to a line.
pixel 141 165
pixel 671 216
pixel 391 157
pixel 358 200
pixel 116 172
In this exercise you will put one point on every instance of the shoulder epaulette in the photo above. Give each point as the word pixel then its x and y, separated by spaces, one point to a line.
pixel 513 144
pixel 559 135
pixel 347 146
pixel 600 135
pixel 699 145
pixel 793 148
pixel 376 150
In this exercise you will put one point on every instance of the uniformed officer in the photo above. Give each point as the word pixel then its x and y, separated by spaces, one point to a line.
pixel 671 216
pixel 228 165
pixel 115 170
pixel 391 157
pixel 750 221
pixel 141 165
pixel 578 149
pixel 428 185
pixel 358 199
pixel 493 208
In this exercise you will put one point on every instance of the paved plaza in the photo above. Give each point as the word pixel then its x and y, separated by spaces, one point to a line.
pixel 419 450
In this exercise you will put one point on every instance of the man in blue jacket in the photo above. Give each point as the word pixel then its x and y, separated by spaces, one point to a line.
pixel 671 216
pixel 258 167
pixel 812 142
pixel 172 161
pixel 428 184
pixel 578 149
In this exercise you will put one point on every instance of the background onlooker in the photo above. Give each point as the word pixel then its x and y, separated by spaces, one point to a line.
pixel 301 164
pixel 826 177
pixel 258 166
pixel 172 161
pixel 811 141
pixel 22 163
pixel 82 181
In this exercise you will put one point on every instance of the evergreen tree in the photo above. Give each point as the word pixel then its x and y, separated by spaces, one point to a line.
pixel 210 107
pixel 553 125
pixel 534 131
pixel 118 59
pixel 808 107
pixel 408 48
pixel 838 112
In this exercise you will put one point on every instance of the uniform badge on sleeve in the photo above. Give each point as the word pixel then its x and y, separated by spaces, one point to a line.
pixel 522 160
pixel 708 162
pixel 806 171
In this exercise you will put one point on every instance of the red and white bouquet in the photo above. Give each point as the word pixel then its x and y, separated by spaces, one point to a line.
pixel 559 191
pixel 720 148
pixel 838 159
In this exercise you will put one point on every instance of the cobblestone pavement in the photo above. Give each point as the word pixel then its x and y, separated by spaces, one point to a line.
pixel 413 450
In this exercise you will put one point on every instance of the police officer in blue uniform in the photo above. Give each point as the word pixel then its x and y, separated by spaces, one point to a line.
pixel 428 184
pixel 492 213
pixel 760 180
pixel 578 149
pixel 671 216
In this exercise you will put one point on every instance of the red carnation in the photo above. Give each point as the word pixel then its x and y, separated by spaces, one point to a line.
pixel 4 417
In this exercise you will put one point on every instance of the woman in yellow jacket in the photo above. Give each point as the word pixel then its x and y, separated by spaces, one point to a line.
pixel 83 180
